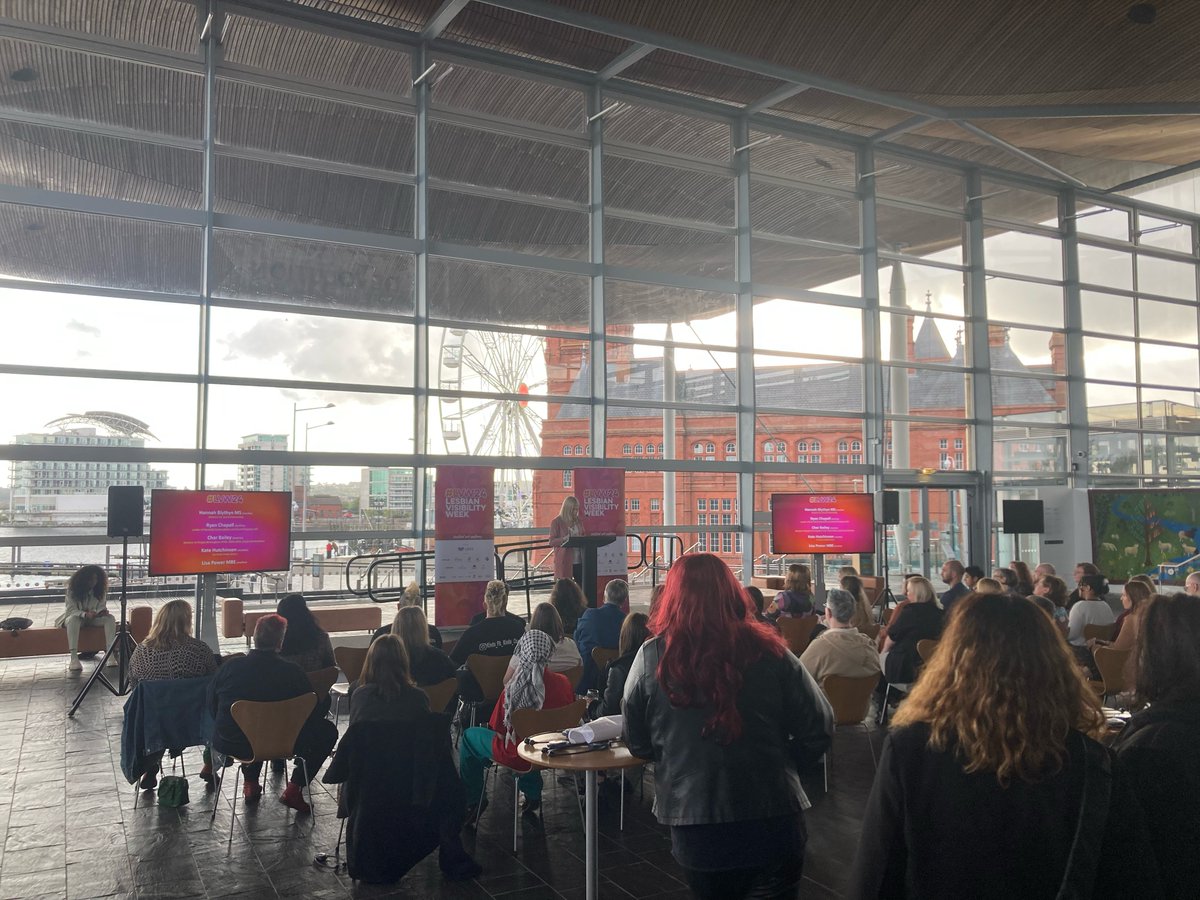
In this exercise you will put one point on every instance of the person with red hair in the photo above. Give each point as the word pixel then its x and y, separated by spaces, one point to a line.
pixel 728 715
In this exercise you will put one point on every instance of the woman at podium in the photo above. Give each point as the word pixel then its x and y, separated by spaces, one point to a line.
pixel 568 563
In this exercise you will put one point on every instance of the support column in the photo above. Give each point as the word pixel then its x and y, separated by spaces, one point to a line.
pixel 422 483
pixel 597 346
pixel 744 305
pixel 1077 415
pixel 978 412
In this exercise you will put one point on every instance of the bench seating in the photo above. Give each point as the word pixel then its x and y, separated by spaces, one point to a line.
pixel 236 622
pixel 52 641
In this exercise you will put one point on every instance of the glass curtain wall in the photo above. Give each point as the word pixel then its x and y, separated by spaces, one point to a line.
pixel 274 261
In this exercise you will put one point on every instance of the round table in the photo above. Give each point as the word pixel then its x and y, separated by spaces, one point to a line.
pixel 589 762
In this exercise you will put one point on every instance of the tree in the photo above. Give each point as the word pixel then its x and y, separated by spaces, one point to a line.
pixel 1151 528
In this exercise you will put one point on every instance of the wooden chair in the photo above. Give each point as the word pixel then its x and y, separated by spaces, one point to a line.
pixel 871 631
pixel 1111 663
pixel 526 723
pixel 885 615
pixel 573 675
pixel 798 631
pixel 322 680
pixel 1099 632
pixel 489 674
pixel 350 660
pixel 441 694
pixel 851 702
pixel 925 648
pixel 271 728
pixel 603 656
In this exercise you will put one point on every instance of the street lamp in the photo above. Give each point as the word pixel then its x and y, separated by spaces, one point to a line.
pixel 304 506
pixel 296 408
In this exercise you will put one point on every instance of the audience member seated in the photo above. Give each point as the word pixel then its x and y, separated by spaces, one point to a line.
pixel 796 598
pixel 169 651
pixel 306 644
pixel 85 607
pixel 1081 569
pixel 988 586
pixel 546 619
pixel 1024 577
pixel 495 635
pixel 1090 609
pixel 600 627
pixel 531 686
pixel 634 633
pixel 758 602
pixel 1008 581
pixel 1191 585
pixel 410 597
pixel 728 716
pixel 971 576
pixel 1157 750
pixel 988 806
pixel 568 599
pixel 1134 598
pixel 864 618
pixel 264 675
pixel 921 619
pixel 426 664
pixel 1043 569
pixel 402 795
pixel 1054 589
pixel 385 691
pixel 952 575
pixel 841 649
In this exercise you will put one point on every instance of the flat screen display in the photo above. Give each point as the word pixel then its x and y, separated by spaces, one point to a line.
pixel 823 523
pixel 217 532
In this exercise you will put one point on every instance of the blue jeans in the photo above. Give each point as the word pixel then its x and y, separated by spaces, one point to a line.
pixel 474 751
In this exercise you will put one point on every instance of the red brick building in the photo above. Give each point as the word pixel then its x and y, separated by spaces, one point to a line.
pixel 711 498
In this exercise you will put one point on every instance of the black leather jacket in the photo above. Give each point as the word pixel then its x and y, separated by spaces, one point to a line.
pixel 786 722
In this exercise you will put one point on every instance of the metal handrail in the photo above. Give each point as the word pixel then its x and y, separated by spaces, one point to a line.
pixel 420 558
pixel 667 554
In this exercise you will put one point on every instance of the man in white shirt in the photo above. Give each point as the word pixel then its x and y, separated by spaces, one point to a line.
pixel 842 649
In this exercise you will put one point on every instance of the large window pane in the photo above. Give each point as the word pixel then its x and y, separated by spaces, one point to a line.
pixel 1109 359
pixel 782 382
pixel 481 292
pixel 705 314
pixel 1028 302
pixel 1107 313
pixel 802 266
pixel 803 214
pixel 489 158
pixel 1167 321
pixel 494 93
pixel 1105 266
pixel 1023 254
pixel 1023 449
pixel 793 327
pixel 666 248
pixel 1167 277
pixel 1174 366
pixel 644 187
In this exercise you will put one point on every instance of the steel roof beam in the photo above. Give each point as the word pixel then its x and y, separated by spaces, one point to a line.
pixel 900 128
pixel 776 96
pixel 625 59
pixel 1074 111
pixel 442 18
pixel 1021 154
pixel 1153 177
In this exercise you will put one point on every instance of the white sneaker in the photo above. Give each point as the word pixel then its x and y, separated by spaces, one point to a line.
pixel 75 665
pixel 112 660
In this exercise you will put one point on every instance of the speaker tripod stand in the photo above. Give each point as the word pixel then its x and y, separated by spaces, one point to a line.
pixel 122 644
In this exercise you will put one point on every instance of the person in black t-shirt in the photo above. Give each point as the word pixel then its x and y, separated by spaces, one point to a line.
pixel 496 635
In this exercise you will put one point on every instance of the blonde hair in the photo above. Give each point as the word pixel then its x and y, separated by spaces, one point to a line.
pixel 412 628
pixel 1002 691
pixel 922 589
pixel 411 595
pixel 172 623
pixel 569 511
pixel 988 586
pixel 495 598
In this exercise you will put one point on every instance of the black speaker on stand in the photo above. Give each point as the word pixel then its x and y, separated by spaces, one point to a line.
pixel 125 515
pixel 1023 517
pixel 887 512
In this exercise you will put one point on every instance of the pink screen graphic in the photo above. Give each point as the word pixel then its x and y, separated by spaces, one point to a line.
pixel 201 532
pixel 823 523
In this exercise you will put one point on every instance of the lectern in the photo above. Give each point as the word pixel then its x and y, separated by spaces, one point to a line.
pixel 587 545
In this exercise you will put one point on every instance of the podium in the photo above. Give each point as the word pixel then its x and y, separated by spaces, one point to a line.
pixel 587 544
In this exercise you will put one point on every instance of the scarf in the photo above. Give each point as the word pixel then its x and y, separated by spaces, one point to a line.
pixel 526 689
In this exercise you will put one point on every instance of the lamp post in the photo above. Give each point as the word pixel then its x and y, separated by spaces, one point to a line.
pixel 296 408
pixel 304 504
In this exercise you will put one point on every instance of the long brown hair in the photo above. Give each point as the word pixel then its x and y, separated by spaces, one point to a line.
pixel 1002 690
pixel 81 584
pixel 412 628
pixel 547 620
pixel 1166 661
pixel 386 667
pixel 798 579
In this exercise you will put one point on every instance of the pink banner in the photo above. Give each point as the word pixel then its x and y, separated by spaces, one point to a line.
pixel 601 496
pixel 464 541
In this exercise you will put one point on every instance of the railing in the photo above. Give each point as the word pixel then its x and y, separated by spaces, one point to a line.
pixel 663 554
pixel 364 574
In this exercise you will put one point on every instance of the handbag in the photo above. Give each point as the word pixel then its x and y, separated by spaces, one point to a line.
pixel 172 791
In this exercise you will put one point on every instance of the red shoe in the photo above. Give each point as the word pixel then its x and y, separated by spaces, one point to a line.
pixel 206 775
pixel 251 791
pixel 293 797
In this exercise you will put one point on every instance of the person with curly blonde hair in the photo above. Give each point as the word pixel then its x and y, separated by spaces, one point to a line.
pixel 979 787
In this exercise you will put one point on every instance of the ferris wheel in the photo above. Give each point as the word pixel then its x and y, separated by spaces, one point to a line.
pixel 487 362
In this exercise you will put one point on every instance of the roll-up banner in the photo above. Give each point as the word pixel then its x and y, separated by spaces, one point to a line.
pixel 601 496
pixel 464 543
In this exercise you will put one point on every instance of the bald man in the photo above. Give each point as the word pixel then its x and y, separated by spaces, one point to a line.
pixel 1191 587
pixel 1043 569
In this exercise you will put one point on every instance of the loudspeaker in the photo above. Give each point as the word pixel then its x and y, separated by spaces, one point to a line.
pixel 887 508
pixel 1024 517
pixel 125 505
